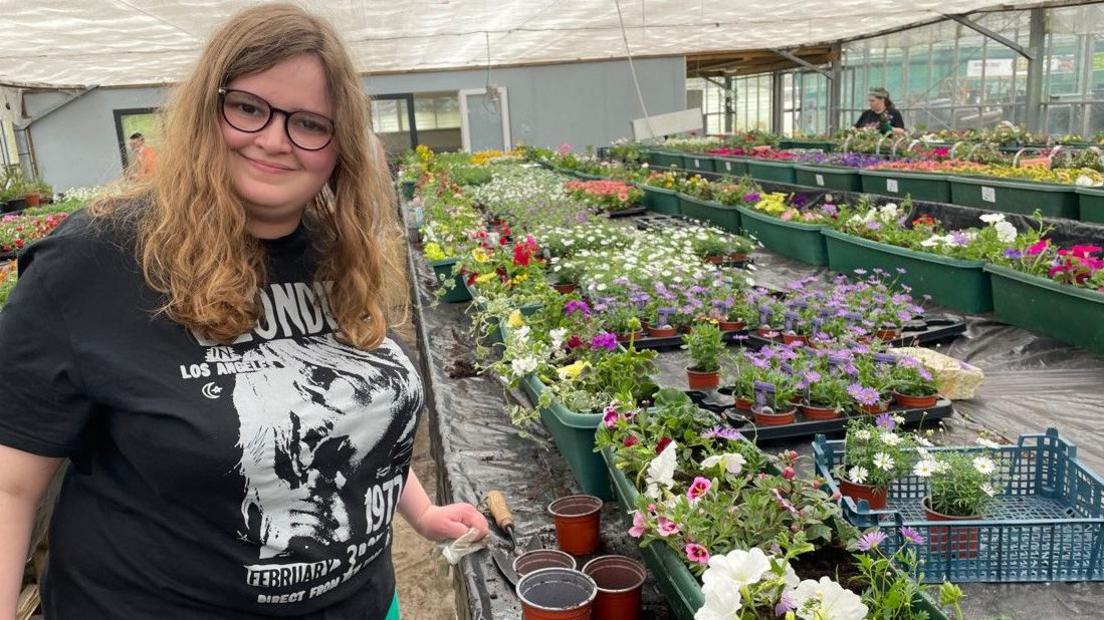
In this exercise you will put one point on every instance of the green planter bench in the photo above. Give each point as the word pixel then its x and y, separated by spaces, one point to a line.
pixel 796 240
pixel 665 201
pixel 735 166
pixel 1060 311
pixel 725 216
pixel 1090 204
pixel 923 187
pixel 959 284
pixel 1052 200
pixel 771 171
pixel 828 177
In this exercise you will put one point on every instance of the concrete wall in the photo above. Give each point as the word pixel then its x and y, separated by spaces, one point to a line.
pixel 579 104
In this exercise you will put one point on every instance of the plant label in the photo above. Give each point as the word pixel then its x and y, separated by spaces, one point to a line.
pixel 891 185
pixel 728 166
pixel 820 180
pixel 697 163
pixel 988 194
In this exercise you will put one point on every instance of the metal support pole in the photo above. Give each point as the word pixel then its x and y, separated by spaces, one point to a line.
pixel 835 88
pixel 776 102
pixel 999 38
pixel 728 104
pixel 1035 63
pixel 800 61
pixel 23 152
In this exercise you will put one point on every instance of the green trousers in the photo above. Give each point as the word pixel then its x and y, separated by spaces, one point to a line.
pixel 393 613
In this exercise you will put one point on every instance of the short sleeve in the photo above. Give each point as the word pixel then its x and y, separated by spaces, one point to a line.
pixel 43 409
pixel 897 119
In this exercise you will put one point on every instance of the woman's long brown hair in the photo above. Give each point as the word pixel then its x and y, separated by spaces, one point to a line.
pixel 192 242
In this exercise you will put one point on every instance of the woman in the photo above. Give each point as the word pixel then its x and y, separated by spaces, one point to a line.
pixel 210 350
pixel 882 115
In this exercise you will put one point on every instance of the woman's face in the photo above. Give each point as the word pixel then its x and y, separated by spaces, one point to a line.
pixel 876 104
pixel 274 178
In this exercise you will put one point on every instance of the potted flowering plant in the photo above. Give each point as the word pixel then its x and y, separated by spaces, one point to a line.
pixel 826 395
pixel 913 385
pixel 776 393
pixel 659 322
pixel 876 456
pixel 704 345
pixel 961 484
pixel 565 274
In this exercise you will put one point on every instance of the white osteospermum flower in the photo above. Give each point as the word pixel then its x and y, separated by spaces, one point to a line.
pixel 883 461
pixel 863 435
pixel 923 469
pixel 992 218
pixel 737 568
pixel 988 489
pixel 661 471
pixel 984 465
pixel 826 600
pixel 923 441
pixel 981 441
pixel 858 474
pixel 890 438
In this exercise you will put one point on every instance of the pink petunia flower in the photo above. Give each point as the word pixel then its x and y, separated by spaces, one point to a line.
pixel 667 527
pixel 698 488
pixel 639 526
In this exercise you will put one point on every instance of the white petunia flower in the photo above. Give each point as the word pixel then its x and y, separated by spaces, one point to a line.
pixel 992 218
pixel 737 569
pixel 721 603
pixel 733 463
pixel 524 365
pixel 826 600
pixel 661 471
pixel 1006 232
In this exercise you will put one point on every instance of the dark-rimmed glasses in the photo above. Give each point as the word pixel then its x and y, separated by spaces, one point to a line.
pixel 250 113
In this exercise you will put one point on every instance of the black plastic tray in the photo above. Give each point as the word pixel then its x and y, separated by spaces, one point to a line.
pixel 721 404
pixel 674 342
pixel 626 212
pixel 931 328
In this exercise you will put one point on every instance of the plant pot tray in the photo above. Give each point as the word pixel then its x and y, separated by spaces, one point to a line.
pixel 931 328
pixel 802 427
pixel 673 342
pixel 1045 525
pixel 631 211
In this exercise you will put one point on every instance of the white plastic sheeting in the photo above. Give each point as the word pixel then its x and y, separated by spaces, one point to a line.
pixel 121 42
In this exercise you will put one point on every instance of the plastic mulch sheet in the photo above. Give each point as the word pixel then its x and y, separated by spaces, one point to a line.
pixel 1031 383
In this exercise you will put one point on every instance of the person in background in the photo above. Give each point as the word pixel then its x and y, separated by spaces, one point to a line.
pixel 211 350
pixel 882 115
pixel 144 159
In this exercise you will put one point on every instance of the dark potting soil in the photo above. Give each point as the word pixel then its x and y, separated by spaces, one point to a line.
pixel 557 594
pixel 834 562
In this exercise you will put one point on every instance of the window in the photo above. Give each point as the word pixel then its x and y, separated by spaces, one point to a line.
pixel 146 121
pixel 9 154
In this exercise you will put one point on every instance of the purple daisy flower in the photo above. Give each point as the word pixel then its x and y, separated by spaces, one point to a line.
pixel 870 540
pixel 1013 254
pixel 865 395
pixel 912 535
pixel 885 421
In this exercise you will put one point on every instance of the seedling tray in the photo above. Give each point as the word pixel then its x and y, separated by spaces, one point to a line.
pixel 1045 525
pixel 804 428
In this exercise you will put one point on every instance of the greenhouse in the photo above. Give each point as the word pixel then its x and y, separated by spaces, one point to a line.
pixel 600 309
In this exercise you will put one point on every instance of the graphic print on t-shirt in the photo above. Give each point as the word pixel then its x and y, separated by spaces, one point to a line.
pixel 325 432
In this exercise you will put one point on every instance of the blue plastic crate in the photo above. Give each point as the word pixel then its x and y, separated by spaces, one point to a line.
pixel 1045 525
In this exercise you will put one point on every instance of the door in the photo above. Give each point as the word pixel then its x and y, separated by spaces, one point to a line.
pixel 485 120
pixel 393 122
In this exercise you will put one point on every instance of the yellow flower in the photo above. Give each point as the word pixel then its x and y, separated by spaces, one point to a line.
pixel 515 321
pixel 521 277
pixel 433 251
pixel 486 277
pixel 480 255
pixel 573 371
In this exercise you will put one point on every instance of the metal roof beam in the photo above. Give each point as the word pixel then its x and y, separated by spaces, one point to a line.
pixel 801 61
pixel 996 36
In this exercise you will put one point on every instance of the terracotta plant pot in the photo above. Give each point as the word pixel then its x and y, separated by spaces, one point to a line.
pixel 577 519
pixel 775 419
pixel 731 326
pixel 564 288
pixel 556 594
pixel 532 561
pixel 737 257
pixel 633 336
pixel 714 260
pixel 619 582
pixel 702 381
pixel 959 542
pixel 662 332
pixel 33 200
pixel 874 496
pixel 820 413
pixel 792 338
pixel 766 332
pixel 881 407
pixel 744 404
pixel 887 334
pixel 915 402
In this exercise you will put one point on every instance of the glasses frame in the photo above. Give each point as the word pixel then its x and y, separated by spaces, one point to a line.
pixel 272 110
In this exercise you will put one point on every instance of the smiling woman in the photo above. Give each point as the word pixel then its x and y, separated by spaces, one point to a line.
pixel 215 346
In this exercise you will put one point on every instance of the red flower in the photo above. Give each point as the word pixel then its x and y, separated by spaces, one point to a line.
pixel 574 342
pixel 663 443
pixel 630 441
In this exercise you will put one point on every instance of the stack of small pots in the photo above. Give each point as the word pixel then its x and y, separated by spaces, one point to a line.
pixel 552 588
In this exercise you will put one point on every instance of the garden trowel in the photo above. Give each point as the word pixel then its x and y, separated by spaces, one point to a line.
pixel 504 519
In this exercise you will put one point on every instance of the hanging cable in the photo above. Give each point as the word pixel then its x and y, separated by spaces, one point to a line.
pixel 632 69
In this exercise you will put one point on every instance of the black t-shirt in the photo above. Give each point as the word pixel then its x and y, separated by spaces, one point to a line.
pixel 870 118
pixel 244 481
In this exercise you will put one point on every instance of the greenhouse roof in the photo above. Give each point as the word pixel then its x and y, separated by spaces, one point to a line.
pixel 130 42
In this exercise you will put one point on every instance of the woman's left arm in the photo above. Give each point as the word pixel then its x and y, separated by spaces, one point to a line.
pixel 437 522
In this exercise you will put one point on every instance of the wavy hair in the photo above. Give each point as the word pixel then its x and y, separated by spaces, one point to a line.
pixel 190 237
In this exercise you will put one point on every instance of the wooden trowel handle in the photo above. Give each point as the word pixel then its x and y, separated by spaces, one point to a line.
pixel 500 510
